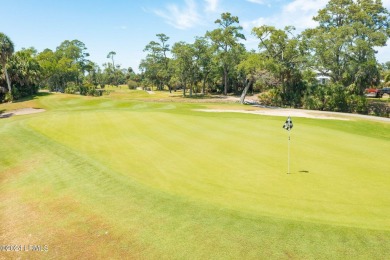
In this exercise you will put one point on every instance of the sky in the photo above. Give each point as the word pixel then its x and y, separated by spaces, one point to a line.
pixel 127 26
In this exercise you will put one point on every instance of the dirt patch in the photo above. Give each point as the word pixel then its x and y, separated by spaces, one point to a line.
pixel 22 111
pixel 62 225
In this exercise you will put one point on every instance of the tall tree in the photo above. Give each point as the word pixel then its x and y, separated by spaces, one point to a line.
pixel 25 70
pixel 344 42
pixel 184 59
pixel 76 51
pixel 67 64
pixel 111 55
pixel 156 65
pixel 93 69
pixel 225 38
pixel 6 51
pixel 48 62
pixel 253 67
pixel 283 55
pixel 204 59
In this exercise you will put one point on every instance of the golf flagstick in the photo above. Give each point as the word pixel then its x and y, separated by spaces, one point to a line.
pixel 288 125
pixel 288 154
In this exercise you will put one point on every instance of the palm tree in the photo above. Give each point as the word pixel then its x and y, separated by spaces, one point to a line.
pixel 6 51
pixel 111 55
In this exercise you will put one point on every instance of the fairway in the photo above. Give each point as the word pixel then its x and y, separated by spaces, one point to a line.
pixel 130 176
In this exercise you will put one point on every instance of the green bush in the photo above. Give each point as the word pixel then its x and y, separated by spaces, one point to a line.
pixel 90 90
pixel 16 93
pixel 379 109
pixel 71 88
pixel 357 104
pixel 313 102
pixel 337 99
pixel 8 97
pixel 132 84
pixel 271 98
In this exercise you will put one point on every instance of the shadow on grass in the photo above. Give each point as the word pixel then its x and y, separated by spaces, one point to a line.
pixel 6 115
pixel 208 96
pixel 32 97
pixel 301 171
pixel 199 96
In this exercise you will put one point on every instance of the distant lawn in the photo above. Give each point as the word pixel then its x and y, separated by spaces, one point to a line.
pixel 118 177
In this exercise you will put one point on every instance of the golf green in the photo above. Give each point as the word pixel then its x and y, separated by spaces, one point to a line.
pixel 119 177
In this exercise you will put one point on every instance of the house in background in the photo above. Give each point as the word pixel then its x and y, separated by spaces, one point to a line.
pixel 322 78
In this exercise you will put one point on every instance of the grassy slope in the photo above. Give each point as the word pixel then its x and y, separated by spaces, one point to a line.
pixel 96 177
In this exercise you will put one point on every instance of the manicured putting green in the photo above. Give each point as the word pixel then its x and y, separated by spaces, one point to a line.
pixel 149 180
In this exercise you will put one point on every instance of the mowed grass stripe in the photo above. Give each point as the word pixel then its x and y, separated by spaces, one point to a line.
pixel 187 155
pixel 149 224
pixel 87 186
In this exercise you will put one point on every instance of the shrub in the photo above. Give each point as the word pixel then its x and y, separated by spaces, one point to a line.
pixel 8 97
pixel 357 104
pixel 337 99
pixel 271 98
pixel 71 88
pixel 132 84
pixel 379 109
pixel 315 97
pixel 313 102
pixel 90 90
pixel 16 93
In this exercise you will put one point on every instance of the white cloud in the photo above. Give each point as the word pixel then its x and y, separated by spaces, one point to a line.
pixel 305 6
pixel 211 5
pixel 386 4
pixel 383 54
pixel 298 13
pixel 260 2
pixel 181 17
pixel 248 25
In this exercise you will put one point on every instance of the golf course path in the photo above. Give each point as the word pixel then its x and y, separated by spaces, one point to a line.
pixel 300 113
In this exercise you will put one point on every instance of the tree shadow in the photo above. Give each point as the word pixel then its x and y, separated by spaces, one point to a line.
pixel 5 115
pixel 32 97
pixel 301 171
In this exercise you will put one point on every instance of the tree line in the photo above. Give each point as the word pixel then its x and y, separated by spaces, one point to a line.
pixel 283 69
pixel 67 69
pixel 341 48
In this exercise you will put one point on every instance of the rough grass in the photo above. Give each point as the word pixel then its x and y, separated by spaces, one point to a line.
pixel 111 177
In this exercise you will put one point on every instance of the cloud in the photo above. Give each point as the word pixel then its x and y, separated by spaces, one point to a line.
pixel 298 13
pixel 305 6
pixel 386 4
pixel 260 2
pixel 184 17
pixel 248 25
pixel 383 54
pixel 211 5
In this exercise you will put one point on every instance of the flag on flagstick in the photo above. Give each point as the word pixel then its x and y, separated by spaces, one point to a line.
pixel 289 124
